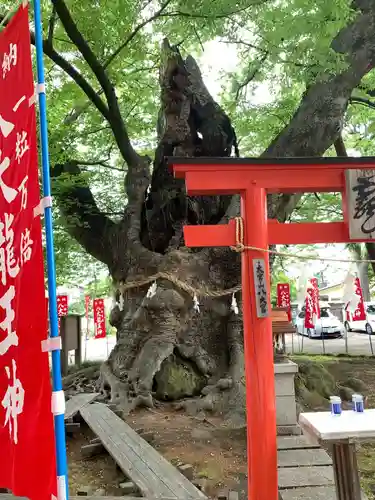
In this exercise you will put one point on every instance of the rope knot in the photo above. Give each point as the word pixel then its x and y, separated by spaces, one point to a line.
pixel 239 246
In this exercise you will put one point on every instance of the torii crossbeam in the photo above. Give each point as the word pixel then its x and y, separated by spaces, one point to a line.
pixel 253 179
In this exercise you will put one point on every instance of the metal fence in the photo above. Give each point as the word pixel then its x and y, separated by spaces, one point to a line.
pixel 352 343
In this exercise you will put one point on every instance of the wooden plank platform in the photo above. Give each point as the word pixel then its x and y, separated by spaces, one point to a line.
pixel 303 458
pixel 76 403
pixel 152 473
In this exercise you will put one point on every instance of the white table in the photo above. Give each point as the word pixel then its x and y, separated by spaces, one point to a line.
pixel 342 433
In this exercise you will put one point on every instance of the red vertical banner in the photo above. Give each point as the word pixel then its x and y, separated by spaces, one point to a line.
pixel 27 442
pixel 62 305
pixel 309 307
pixel 283 297
pixel 99 318
pixel 315 298
pixel 359 313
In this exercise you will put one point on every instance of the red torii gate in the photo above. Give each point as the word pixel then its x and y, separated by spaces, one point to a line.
pixel 253 179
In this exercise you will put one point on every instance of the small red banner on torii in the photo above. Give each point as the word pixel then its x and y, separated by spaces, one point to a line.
pixel 99 318
pixel 26 422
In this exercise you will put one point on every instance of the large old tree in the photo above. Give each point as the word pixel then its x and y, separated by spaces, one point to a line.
pixel 317 57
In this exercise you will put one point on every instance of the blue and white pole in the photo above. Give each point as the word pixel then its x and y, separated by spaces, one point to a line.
pixel 58 402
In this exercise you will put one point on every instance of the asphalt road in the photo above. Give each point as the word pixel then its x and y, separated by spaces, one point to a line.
pixel 356 344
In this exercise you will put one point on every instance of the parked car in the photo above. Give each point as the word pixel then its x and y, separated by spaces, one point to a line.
pixel 368 325
pixel 328 325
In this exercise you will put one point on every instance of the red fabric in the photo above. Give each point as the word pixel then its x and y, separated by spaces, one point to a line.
pixel 359 313
pixel 27 444
pixel 315 297
pixel 283 297
pixel 99 318
pixel 62 305
pixel 309 309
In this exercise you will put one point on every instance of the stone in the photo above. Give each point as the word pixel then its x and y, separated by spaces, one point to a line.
pixel 345 393
pixel 286 411
pixel 100 492
pixel 224 384
pixel 128 488
pixel 316 378
pixel 148 436
pixel 296 477
pixel 187 471
pixel 233 495
pixel 222 495
pixel 318 493
pixel 91 450
pixel 178 379
pixel 83 491
pixel 72 427
pixel 201 484
pixel 295 443
pixel 303 458
pixel 356 384
pixel 201 434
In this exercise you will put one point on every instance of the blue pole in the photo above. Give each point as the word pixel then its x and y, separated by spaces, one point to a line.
pixel 61 460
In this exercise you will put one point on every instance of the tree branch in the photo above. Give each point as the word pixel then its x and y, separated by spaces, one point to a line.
pixel 115 119
pixel 51 26
pixel 84 221
pixel 362 101
pixel 318 121
pixel 134 33
pixel 75 75
pixel 251 75
pixel 340 146
pixel 102 163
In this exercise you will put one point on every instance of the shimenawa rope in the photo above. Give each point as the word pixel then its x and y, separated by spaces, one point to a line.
pixel 239 248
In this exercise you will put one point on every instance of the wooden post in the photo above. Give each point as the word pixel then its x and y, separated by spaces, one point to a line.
pixel 259 373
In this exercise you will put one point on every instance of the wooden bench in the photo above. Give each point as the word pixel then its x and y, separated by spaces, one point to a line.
pixel 150 472
pixel 280 326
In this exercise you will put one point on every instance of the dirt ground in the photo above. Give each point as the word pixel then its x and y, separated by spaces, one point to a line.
pixel 217 456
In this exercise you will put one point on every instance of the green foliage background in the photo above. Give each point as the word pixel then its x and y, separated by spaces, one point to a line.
pixel 280 47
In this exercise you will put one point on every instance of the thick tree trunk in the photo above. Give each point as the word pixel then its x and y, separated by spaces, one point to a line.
pixel 165 347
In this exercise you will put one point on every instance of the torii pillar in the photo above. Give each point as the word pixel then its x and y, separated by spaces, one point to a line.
pixel 253 179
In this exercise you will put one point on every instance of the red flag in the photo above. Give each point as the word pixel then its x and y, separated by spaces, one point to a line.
pixel 62 305
pixel 360 313
pixel 26 423
pixel 99 318
pixel 315 297
pixel 283 297
pixel 309 308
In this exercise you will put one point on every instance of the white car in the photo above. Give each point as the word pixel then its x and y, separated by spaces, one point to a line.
pixel 327 326
pixel 368 325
